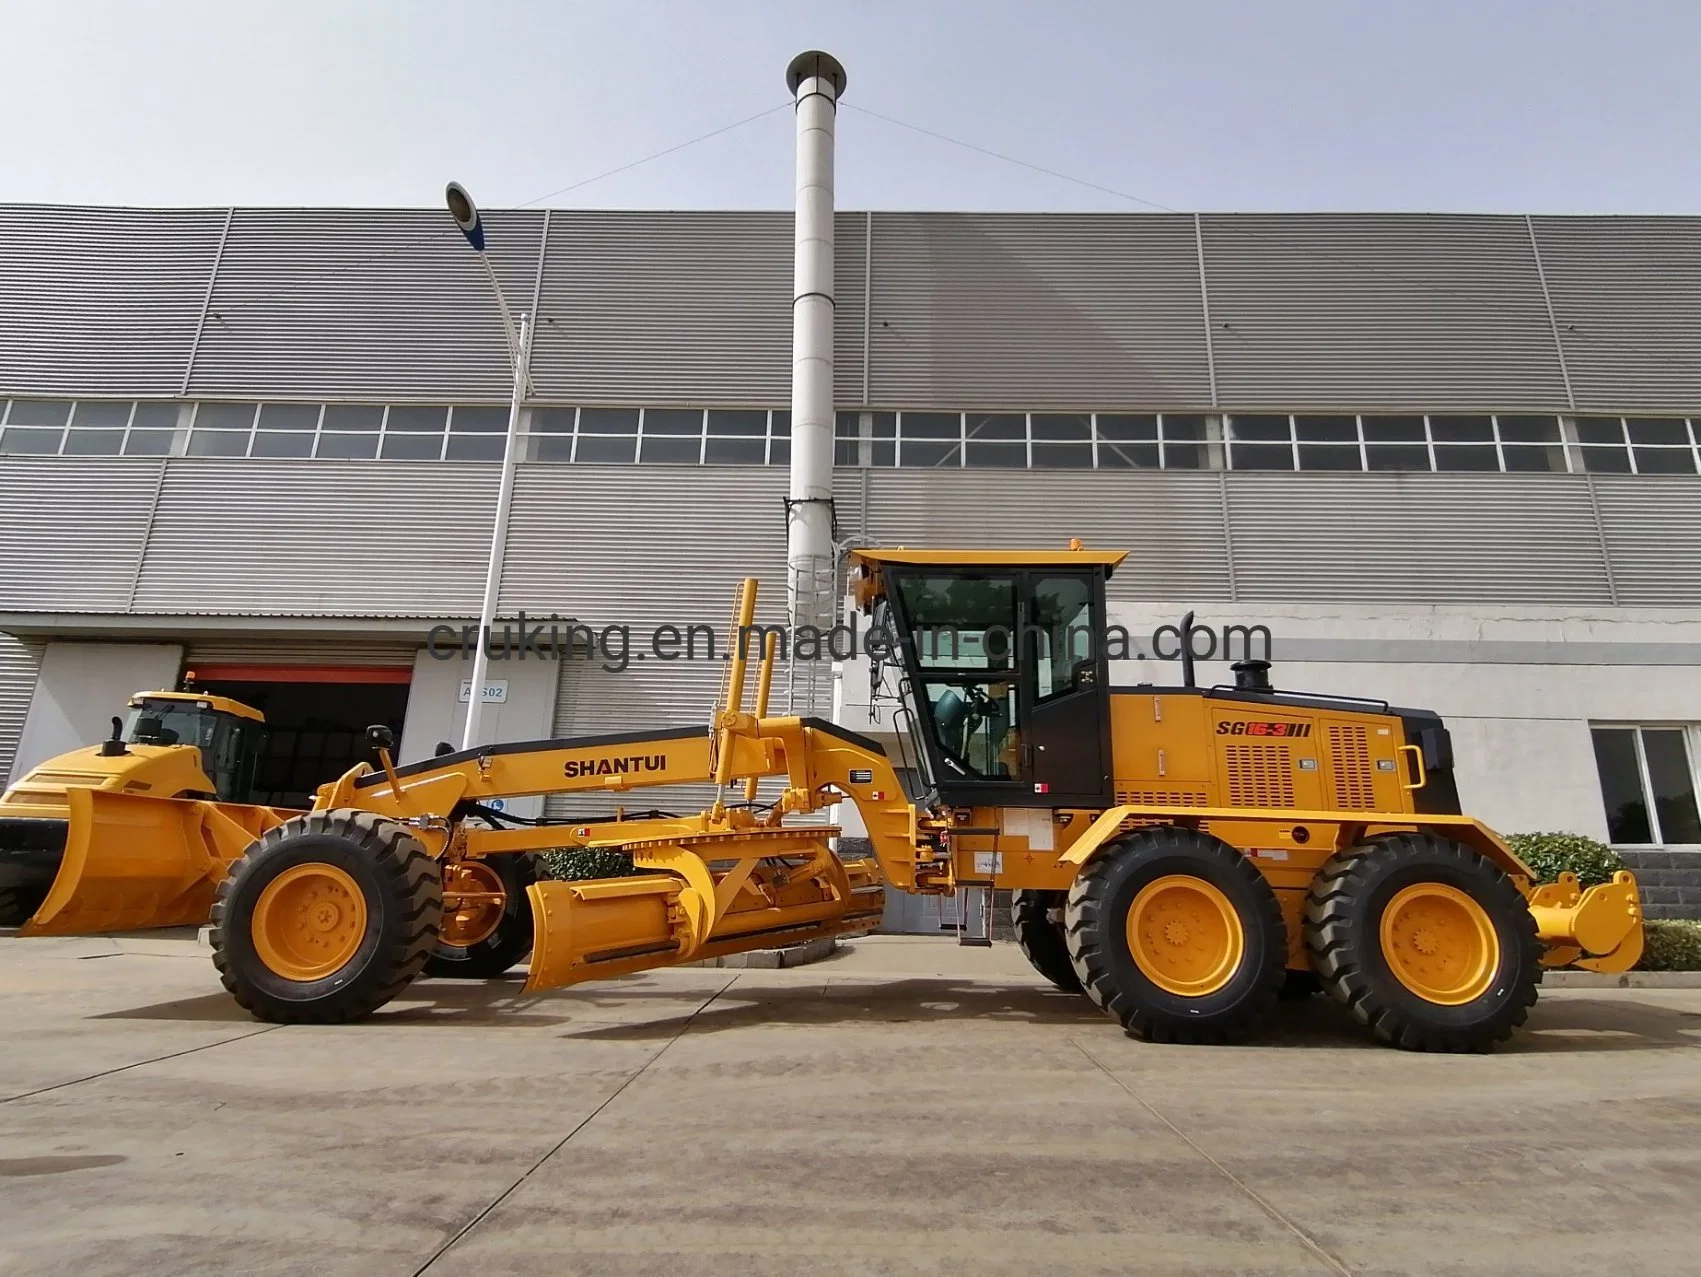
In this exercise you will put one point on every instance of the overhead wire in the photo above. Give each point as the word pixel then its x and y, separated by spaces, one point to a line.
pixel 302 281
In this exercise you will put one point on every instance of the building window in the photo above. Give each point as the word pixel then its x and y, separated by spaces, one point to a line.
pixel 1127 442
pixel 930 439
pixel 477 433
pixel 222 429
pixel 671 436
pixel 286 430
pixel 413 432
pixel 1634 445
pixel 994 439
pixel 350 431
pixel 736 437
pixel 1260 441
pixel 1062 441
pixel 1647 779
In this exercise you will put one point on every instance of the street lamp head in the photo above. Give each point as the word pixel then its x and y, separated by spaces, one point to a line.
pixel 465 213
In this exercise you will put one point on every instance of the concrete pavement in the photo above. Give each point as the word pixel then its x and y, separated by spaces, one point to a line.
pixel 903 1107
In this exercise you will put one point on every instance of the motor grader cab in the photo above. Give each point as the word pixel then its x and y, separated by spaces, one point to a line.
pixel 1179 854
pixel 135 831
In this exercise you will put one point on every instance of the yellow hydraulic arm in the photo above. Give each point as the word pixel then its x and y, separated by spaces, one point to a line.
pixel 725 879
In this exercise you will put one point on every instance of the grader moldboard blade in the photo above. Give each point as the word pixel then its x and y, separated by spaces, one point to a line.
pixel 781 887
pixel 132 861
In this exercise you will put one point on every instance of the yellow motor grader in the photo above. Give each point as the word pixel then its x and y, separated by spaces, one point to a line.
pixel 1179 854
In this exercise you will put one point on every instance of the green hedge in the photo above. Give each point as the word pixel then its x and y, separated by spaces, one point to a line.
pixel 1550 855
pixel 1671 945
pixel 580 863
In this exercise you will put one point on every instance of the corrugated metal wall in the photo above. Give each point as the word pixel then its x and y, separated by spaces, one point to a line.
pixel 19 661
pixel 408 539
pixel 1627 301
pixel 102 300
pixel 968 309
pixel 1429 538
pixel 318 538
pixel 1036 310
pixel 1172 521
pixel 670 307
pixel 1649 525
pixel 358 303
pixel 71 533
pixel 1378 310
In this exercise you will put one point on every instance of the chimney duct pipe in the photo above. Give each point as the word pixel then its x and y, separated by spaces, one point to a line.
pixel 816 81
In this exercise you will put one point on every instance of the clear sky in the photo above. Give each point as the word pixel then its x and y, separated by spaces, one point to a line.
pixel 1473 105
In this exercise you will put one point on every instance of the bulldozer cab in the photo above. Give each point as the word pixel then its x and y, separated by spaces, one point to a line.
pixel 1003 672
pixel 228 733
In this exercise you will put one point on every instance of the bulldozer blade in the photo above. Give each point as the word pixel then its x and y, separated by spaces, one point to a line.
pixel 132 862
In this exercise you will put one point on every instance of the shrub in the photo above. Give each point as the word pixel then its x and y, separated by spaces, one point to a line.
pixel 579 863
pixel 1671 945
pixel 1549 855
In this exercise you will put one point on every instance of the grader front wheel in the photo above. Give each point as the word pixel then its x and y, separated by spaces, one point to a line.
pixel 1425 941
pixel 1178 936
pixel 326 918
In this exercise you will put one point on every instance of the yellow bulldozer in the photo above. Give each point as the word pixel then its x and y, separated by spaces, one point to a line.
pixel 1182 855
pixel 136 831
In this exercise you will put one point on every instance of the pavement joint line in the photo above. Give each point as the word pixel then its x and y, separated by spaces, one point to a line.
pixel 136 1064
pixel 560 1144
pixel 1305 1239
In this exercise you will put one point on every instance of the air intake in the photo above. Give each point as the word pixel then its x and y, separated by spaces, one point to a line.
pixel 1252 676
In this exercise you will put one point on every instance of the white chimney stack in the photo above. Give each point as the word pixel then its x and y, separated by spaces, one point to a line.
pixel 817 81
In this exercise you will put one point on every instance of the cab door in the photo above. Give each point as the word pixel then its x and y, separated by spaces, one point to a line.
pixel 1066 753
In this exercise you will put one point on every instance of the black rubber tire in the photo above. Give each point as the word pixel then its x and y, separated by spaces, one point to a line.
pixel 1096 924
pixel 404 902
pixel 503 948
pixel 18 904
pixel 1343 921
pixel 1037 918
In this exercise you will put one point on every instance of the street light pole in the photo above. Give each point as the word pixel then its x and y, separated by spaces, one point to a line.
pixel 465 213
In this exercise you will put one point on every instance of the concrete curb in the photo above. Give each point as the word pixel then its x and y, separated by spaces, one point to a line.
pixel 1626 980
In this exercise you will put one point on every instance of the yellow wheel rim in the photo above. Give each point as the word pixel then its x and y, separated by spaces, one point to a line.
pixel 473 902
pixel 309 922
pixel 1185 935
pixel 1440 944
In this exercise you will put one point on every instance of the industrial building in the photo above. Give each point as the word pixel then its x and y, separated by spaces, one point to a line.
pixel 1446 460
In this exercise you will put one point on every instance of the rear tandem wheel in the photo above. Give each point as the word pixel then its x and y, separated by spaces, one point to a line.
pixel 1425 941
pixel 326 918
